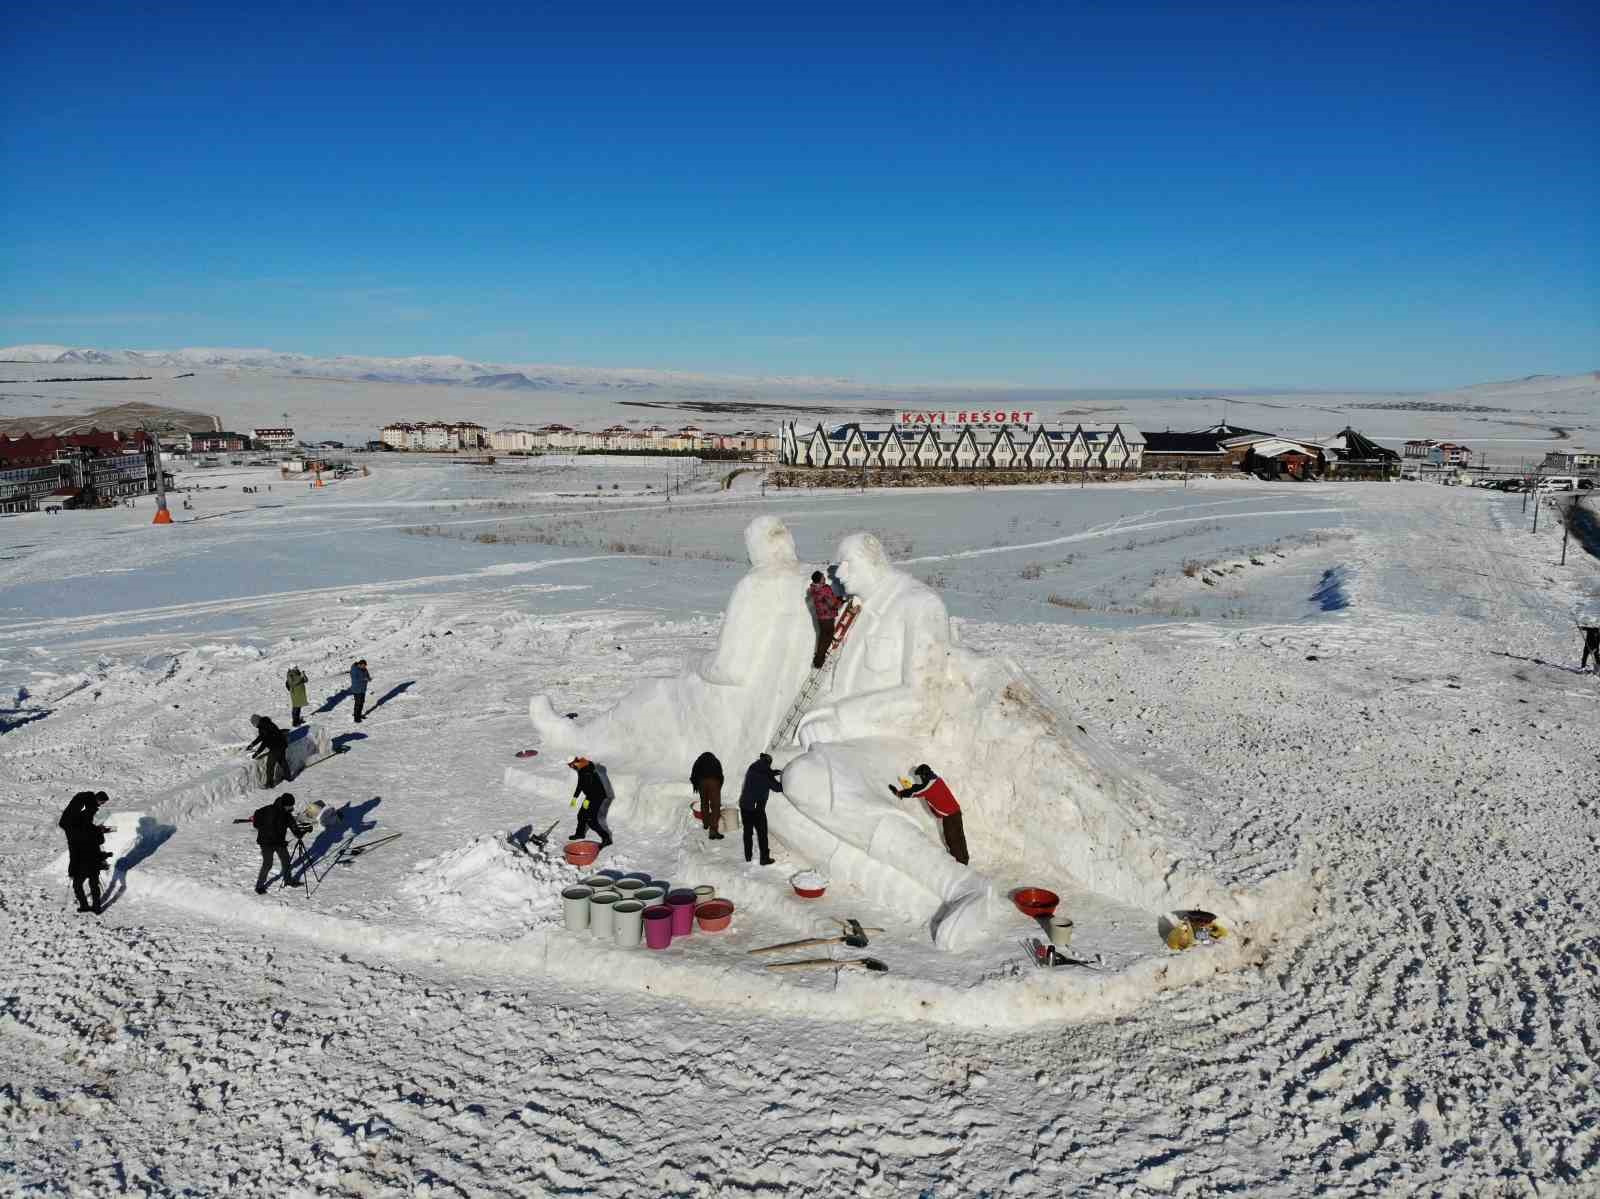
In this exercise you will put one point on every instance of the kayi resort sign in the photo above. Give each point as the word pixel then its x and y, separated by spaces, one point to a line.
pixel 977 416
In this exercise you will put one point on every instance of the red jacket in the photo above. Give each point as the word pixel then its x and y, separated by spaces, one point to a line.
pixel 823 601
pixel 941 802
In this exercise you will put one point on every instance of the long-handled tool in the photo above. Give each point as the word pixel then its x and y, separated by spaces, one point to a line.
pixel 870 964
pixel 357 850
pixel 539 839
pixel 853 935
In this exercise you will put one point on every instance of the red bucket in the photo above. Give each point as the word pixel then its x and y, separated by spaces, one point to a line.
pixel 658 927
pixel 1035 901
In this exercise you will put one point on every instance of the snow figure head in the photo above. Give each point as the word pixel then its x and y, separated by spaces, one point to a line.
pixel 863 566
pixel 769 543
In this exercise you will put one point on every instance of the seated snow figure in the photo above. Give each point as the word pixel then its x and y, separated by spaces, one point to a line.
pixel 1040 799
pixel 889 686
pixel 733 699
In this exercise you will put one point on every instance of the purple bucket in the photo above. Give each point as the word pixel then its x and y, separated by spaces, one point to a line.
pixel 681 905
pixel 658 927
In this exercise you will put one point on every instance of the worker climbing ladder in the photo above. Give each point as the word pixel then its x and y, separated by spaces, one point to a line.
pixel 819 674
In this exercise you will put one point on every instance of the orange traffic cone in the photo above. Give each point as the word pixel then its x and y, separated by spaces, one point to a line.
pixel 163 517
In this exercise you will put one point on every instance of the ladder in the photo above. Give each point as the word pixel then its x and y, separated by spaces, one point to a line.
pixel 814 680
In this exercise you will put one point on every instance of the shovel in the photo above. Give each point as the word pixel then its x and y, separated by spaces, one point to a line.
pixel 854 936
pixel 869 964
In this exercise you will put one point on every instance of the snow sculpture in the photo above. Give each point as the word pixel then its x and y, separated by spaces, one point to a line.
pixel 889 688
pixel 1042 802
pixel 732 701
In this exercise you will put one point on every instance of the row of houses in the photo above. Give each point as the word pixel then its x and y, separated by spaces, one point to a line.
pixel 464 435
pixel 76 470
pixel 1101 449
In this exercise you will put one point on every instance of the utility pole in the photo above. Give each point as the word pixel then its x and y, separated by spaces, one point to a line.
pixel 1536 482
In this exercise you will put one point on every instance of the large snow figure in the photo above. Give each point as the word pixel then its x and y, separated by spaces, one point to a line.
pixel 733 700
pixel 889 689
pixel 1042 802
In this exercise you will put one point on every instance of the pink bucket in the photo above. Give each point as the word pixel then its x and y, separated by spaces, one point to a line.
pixel 681 905
pixel 658 927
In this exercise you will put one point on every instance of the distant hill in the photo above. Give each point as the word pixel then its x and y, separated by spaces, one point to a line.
pixel 117 416
pixel 512 381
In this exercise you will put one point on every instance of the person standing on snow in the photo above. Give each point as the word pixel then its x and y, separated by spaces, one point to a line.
pixel 825 607
pixel 359 678
pixel 760 780
pixel 86 857
pixel 933 791
pixel 705 776
pixel 295 683
pixel 596 799
pixel 274 822
pixel 272 742
pixel 1591 647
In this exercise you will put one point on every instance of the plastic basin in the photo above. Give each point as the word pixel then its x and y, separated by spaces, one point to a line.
pixel 1035 901
pixel 714 915
pixel 582 853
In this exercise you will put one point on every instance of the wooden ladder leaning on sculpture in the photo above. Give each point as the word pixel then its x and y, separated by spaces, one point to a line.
pixel 814 680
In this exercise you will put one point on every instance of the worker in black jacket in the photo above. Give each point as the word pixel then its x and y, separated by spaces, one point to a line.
pixel 86 857
pixel 274 822
pixel 274 743
pixel 760 780
pixel 596 799
pixel 705 776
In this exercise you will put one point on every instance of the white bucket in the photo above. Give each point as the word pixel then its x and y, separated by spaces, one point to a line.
pixel 601 905
pixel 704 892
pixel 627 922
pixel 575 908
pixel 627 886
pixel 650 895
pixel 1060 931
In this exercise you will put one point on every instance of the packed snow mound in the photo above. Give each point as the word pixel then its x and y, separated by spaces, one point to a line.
pixel 1040 798
pixel 488 884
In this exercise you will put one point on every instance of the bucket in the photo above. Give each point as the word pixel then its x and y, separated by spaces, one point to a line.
pixel 575 908
pixel 627 920
pixel 627 886
pixel 681 905
pixel 650 896
pixel 595 882
pixel 658 927
pixel 642 875
pixel 704 892
pixel 1060 931
pixel 601 904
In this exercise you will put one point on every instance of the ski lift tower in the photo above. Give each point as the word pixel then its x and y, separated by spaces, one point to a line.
pixel 163 517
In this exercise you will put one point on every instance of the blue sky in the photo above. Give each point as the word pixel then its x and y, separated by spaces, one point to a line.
pixel 1058 194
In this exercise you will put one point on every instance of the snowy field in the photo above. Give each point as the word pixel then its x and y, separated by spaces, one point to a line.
pixel 1376 684
pixel 351 398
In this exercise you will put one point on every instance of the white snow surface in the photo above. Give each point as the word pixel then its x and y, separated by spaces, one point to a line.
pixel 1374 686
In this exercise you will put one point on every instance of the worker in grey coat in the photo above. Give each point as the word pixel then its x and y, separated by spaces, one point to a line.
pixel 359 678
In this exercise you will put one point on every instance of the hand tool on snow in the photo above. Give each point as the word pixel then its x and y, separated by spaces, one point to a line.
pixel 853 935
pixel 357 850
pixel 869 964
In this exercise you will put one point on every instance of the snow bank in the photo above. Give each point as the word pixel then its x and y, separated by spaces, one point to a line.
pixel 730 979
pixel 241 776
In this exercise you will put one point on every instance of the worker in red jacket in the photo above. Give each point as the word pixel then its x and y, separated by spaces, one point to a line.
pixel 933 791
pixel 825 607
